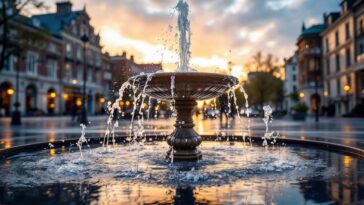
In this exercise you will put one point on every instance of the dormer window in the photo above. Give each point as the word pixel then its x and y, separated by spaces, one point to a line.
pixel 344 7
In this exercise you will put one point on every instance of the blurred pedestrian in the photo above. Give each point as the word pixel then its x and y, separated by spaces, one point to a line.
pixel 74 110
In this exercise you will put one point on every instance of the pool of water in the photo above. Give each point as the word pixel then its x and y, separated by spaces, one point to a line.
pixel 229 173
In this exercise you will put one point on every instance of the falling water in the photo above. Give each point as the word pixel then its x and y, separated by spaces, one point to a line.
pixel 184 35
pixel 82 138
pixel 268 118
pixel 247 112
pixel 111 122
pixel 173 102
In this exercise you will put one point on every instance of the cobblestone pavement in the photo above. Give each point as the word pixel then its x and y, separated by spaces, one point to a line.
pixel 48 129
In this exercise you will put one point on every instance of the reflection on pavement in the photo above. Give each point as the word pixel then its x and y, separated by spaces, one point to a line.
pixel 343 131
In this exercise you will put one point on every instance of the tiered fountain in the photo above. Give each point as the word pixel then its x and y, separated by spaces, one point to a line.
pixel 184 87
pixel 136 173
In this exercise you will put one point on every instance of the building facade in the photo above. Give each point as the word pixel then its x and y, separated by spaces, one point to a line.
pixel 290 81
pixel 50 72
pixel 343 43
pixel 125 67
pixel 310 75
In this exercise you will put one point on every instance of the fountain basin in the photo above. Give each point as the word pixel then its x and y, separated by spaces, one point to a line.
pixel 128 174
pixel 184 88
pixel 188 85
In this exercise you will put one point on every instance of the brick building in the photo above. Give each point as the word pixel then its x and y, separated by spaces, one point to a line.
pixel 310 75
pixel 51 71
pixel 125 67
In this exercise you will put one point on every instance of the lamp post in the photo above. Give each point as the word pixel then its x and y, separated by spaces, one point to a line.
pixel 317 53
pixel 347 89
pixel 16 115
pixel 83 119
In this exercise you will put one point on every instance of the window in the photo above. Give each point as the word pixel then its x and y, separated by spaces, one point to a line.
pixel 68 74
pixel 349 81
pixel 328 88
pixel 52 67
pixel 79 53
pixel 347 31
pixel 293 68
pixel 337 57
pixel 294 88
pixel 69 50
pixel 361 48
pixel 98 78
pixel 10 63
pixel 52 48
pixel 79 74
pixel 338 86
pixel 327 45
pixel 337 38
pixel 328 66
pixel 294 77
pixel 98 60
pixel 348 57
pixel 361 28
pixel 89 76
pixel 32 64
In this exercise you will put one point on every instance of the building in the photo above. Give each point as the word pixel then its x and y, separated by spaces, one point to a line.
pixel 51 70
pixel 290 81
pixel 358 68
pixel 343 43
pixel 126 67
pixel 310 75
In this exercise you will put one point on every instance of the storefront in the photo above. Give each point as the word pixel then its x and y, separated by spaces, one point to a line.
pixel 6 91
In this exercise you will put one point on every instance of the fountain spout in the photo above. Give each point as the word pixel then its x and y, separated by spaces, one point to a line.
pixel 184 36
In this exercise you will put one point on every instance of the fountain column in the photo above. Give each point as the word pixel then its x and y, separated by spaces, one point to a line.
pixel 184 140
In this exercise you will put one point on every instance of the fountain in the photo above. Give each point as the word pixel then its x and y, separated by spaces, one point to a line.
pixel 184 87
pixel 134 171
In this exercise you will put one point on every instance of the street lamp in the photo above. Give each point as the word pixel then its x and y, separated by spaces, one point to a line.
pixel 16 115
pixel 317 52
pixel 83 119
pixel 347 89
pixel 302 95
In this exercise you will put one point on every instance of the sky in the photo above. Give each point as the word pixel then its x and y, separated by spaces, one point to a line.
pixel 222 30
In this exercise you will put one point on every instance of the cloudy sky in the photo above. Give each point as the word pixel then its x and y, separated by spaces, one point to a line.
pixel 222 30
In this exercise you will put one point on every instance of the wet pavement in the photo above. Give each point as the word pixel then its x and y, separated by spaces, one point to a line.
pixel 48 129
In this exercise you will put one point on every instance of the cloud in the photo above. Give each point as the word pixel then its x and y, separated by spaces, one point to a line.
pixel 242 26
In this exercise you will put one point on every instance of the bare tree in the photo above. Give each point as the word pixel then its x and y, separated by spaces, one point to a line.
pixel 9 10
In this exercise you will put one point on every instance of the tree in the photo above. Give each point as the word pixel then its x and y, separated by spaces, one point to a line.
pixel 9 11
pixel 264 85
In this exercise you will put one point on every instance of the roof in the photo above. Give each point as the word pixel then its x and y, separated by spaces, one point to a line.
pixel 313 30
pixel 54 22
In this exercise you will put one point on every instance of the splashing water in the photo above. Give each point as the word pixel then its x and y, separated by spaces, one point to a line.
pixel 268 118
pixel 82 139
pixel 184 35
pixel 112 108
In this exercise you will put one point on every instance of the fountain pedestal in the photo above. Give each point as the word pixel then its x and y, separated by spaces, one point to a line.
pixel 184 140
pixel 185 89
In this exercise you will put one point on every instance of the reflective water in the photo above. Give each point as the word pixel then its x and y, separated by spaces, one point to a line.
pixel 229 173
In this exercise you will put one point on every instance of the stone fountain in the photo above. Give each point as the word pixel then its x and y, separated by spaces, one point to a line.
pixel 184 87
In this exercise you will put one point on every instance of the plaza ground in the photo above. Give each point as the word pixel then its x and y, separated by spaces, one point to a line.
pixel 348 131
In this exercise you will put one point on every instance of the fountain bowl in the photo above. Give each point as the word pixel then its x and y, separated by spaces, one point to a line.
pixel 188 85
pixel 185 90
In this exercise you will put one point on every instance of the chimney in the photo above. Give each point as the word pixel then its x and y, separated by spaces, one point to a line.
pixel 64 7
pixel 132 58
pixel 124 54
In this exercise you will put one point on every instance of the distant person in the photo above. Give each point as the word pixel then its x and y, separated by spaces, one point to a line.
pixel 74 111
pixel 2 112
pixel 224 103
